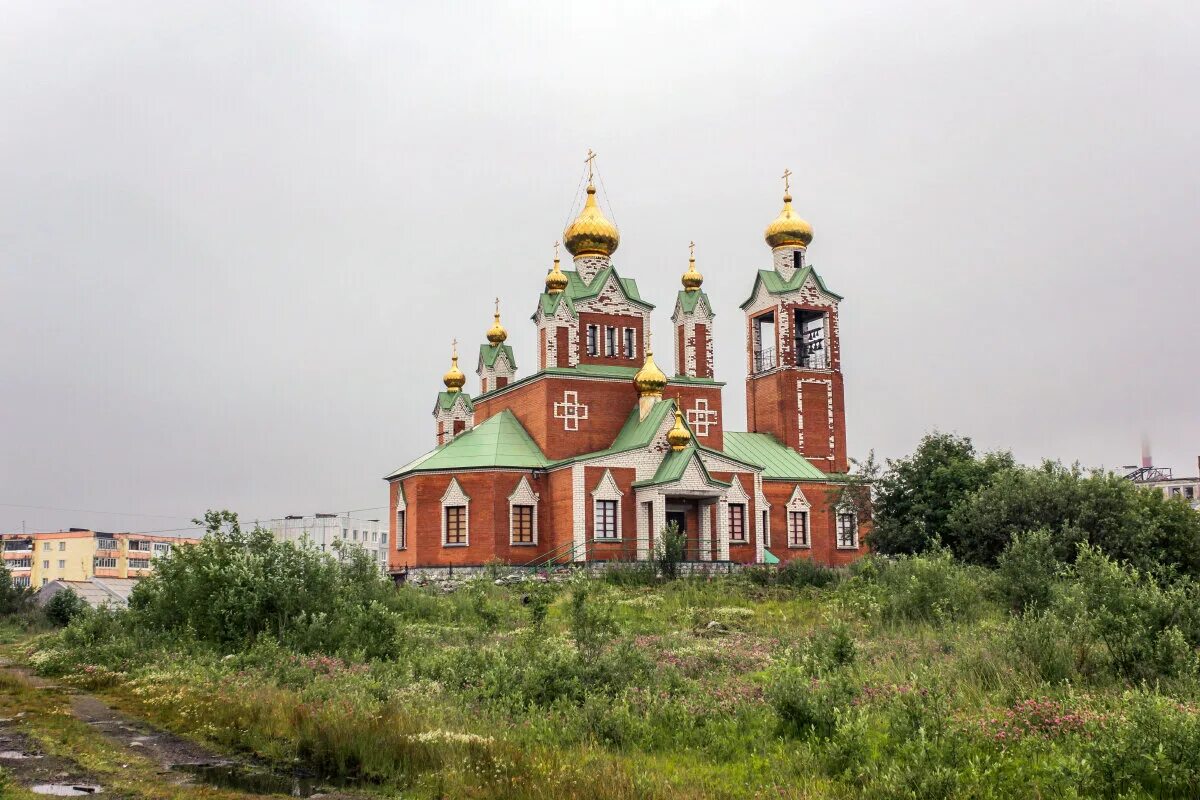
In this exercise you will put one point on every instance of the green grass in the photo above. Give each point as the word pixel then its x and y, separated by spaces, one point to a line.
pixel 904 686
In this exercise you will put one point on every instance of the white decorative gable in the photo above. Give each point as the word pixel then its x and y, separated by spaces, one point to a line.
pixel 606 489
pixel 736 493
pixel 455 496
pixel 523 495
pixel 798 502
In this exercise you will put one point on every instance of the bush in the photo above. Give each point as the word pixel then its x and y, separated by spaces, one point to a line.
pixel 808 700
pixel 800 572
pixel 927 588
pixel 670 549
pixel 1027 571
pixel 64 606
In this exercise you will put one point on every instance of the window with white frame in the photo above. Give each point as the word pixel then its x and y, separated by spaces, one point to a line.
pixel 610 341
pixel 630 342
pixel 797 528
pixel 798 520
pixel 455 516
pixel 606 509
pixel 593 340
pixel 104 563
pixel 606 519
pixel 847 529
pixel 522 514
pixel 62 564
pixel 139 563
pixel 401 529
pixel 737 523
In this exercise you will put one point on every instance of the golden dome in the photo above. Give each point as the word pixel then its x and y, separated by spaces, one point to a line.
pixel 591 234
pixel 650 380
pixel 496 334
pixel 556 279
pixel 679 436
pixel 692 279
pixel 454 377
pixel 788 230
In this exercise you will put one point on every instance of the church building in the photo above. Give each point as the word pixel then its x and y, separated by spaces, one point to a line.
pixel 596 451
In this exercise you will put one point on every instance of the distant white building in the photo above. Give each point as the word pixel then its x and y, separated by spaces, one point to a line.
pixel 1162 479
pixel 325 531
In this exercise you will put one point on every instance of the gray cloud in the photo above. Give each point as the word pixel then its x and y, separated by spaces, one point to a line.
pixel 236 239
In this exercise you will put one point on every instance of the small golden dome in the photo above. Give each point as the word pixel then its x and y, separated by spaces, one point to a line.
pixel 788 230
pixel 692 279
pixel 591 234
pixel 679 436
pixel 556 279
pixel 454 377
pixel 496 334
pixel 650 380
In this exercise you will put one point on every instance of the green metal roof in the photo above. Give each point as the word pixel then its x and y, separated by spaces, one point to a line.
pixel 674 464
pixel 637 432
pixel 778 461
pixel 446 400
pixel 487 354
pixel 689 300
pixel 777 285
pixel 577 290
pixel 498 441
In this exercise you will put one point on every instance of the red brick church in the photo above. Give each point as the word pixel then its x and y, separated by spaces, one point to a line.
pixel 594 453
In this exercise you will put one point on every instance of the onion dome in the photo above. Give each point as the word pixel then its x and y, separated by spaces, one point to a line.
pixel 679 436
pixel 496 334
pixel 692 279
pixel 556 279
pixel 650 380
pixel 454 378
pixel 788 230
pixel 591 234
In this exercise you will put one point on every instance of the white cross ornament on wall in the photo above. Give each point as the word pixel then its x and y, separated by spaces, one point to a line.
pixel 570 411
pixel 701 418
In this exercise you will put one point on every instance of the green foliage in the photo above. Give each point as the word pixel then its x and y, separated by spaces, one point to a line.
pixel 1028 570
pixel 13 599
pixel 592 621
pixel 916 495
pixel 931 588
pixel 670 549
pixel 64 606
pixel 1098 508
pixel 235 586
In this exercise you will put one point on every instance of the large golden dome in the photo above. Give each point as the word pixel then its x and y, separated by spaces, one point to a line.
pixel 591 234
pixel 650 380
pixel 496 334
pixel 454 377
pixel 788 230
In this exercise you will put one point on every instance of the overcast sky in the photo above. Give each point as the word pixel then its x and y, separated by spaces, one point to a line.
pixel 237 238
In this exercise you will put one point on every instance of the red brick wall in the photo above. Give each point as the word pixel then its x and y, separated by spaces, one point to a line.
pixel 562 350
pixel 703 368
pixel 626 549
pixel 822 525
pixel 772 406
pixel 744 552
pixel 686 395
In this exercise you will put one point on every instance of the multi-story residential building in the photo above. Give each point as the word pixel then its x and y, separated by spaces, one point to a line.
pixel 35 559
pixel 332 533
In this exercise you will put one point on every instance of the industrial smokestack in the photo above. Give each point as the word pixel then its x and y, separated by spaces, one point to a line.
pixel 1147 462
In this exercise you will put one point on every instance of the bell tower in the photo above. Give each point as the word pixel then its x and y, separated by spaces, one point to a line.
pixel 794 388
pixel 693 325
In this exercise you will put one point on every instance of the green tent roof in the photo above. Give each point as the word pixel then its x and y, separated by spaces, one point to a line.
pixel 778 461
pixel 487 354
pixel 777 285
pixel 674 464
pixel 498 441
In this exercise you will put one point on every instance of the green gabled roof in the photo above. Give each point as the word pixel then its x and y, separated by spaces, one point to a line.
pixel 487 355
pixel 777 285
pixel 778 461
pixel 637 432
pixel 577 290
pixel 688 301
pixel 498 441
pixel 674 464
pixel 446 400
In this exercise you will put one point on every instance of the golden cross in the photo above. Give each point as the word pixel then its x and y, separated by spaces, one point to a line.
pixel 591 157
pixel 556 251
pixel 454 347
pixel 497 306
pixel 787 187
pixel 692 250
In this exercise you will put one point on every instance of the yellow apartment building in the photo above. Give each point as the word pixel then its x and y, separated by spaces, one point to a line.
pixel 35 559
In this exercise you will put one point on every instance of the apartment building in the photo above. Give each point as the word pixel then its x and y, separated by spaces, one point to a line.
pixel 326 531
pixel 78 554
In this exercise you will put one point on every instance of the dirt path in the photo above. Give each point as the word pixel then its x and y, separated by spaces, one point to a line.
pixel 167 749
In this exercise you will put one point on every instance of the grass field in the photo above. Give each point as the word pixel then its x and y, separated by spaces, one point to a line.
pixel 917 684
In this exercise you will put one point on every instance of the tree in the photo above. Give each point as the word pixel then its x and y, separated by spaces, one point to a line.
pixel 64 606
pixel 916 495
pixel 13 598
